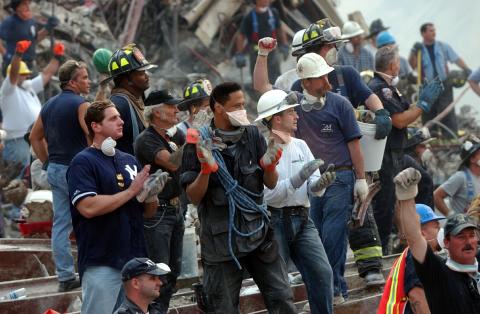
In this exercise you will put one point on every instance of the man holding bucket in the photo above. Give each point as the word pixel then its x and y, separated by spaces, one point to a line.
pixel 387 66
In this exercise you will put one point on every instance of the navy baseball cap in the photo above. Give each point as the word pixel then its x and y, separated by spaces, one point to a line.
pixel 141 265
pixel 456 223
pixel 426 214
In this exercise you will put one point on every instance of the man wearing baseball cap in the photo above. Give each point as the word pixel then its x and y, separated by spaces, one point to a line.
pixel 451 286
pixel 409 295
pixel 142 279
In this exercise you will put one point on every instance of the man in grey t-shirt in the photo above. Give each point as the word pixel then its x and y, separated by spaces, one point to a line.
pixel 464 185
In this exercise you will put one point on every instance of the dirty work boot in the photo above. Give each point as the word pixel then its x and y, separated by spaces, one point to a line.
pixel 374 278
pixel 69 285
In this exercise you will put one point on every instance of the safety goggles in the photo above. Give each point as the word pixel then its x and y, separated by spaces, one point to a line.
pixel 332 33
pixel 307 107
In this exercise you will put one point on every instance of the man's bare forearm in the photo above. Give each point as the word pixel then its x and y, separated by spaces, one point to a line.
pixel 410 227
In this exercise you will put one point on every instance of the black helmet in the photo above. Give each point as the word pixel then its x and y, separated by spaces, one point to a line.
pixel 457 78
pixel 468 149
pixel 417 136
pixel 127 59
pixel 195 92
pixel 376 27
pixel 14 4
pixel 321 32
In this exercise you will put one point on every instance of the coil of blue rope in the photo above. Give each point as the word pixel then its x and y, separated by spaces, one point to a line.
pixel 238 197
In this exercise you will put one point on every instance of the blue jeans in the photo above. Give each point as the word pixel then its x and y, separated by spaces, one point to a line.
pixel 331 214
pixel 17 150
pixel 62 222
pixel 164 239
pixel 306 250
pixel 102 290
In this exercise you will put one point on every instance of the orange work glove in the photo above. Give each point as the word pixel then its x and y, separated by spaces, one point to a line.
pixel 22 46
pixel 58 49
pixel 271 157
pixel 193 136
pixel 205 156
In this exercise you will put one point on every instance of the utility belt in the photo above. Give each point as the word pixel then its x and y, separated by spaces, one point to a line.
pixel 175 202
pixel 340 168
pixel 290 210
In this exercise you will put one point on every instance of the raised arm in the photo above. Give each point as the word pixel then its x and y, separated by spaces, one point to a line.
pixel 406 189
pixel 260 71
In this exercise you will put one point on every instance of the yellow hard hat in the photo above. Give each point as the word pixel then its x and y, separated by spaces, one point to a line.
pixel 23 68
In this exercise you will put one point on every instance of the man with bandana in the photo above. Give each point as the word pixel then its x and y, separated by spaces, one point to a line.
pixel 451 286
pixel 128 69
pixel 108 200
pixel 159 145
pixel 383 84
pixel 224 174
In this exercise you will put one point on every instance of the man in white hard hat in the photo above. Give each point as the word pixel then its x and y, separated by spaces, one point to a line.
pixel 286 80
pixel 353 52
pixel 327 124
pixel 289 203
pixel 321 38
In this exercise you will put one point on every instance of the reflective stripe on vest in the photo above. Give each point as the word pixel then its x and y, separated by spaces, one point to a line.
pixel 367 253
pixel 394 298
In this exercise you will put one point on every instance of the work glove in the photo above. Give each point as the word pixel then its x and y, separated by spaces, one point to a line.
pixel 240 60
pixel 406 184
pixel 383 124
pixel 360 190
pixel 327 178
pixel 284 50
pixel 58 49
pixel 266 45
pixel 416 47
pixel 52 22
pixel 428 94
pixel 307 170
pixel 269 160
pixel 152 186
pixel 205 156
pixel 22 46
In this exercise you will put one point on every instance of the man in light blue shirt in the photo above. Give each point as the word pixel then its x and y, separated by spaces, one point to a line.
pixel 435 56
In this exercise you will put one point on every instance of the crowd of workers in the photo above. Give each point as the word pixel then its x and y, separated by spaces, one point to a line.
pixel 122 168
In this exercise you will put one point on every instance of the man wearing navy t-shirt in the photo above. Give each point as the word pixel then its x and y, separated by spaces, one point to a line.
pixel 107 218
pixel 57 135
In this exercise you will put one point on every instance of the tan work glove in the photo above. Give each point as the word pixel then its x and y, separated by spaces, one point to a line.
pixel 406 184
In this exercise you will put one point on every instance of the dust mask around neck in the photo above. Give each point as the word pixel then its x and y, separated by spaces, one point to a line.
pixel 238 118
pixel 478 162
pixel 171 131
pixel 108 146
pixel 349 47
pixel 262 9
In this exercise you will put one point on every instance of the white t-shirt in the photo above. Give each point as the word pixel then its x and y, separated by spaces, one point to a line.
pixel 20 105
pixel 295 154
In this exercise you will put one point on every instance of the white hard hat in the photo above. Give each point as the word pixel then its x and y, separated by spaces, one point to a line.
pixel 274 101
pixel 312 65
pixel 297 42
pixel 351 29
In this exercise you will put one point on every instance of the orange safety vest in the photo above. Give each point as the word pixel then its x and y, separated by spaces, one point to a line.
pixel 394 298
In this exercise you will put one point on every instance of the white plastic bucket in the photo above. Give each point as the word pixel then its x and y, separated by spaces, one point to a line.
pixel 372 149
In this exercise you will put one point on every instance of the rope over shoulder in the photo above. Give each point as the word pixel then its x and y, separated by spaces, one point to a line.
pixel 238 197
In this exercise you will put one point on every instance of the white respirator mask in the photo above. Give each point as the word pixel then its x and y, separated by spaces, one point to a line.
pixel 108 146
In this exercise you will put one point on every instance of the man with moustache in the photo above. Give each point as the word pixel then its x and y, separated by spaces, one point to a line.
pixel 157 146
